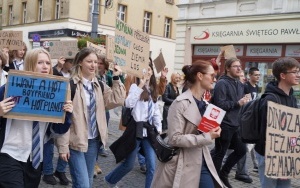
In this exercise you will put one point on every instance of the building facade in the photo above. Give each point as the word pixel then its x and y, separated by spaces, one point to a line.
pixel 68 19
pixel 260 30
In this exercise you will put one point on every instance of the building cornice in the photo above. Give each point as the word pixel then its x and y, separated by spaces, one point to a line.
pixel 236 19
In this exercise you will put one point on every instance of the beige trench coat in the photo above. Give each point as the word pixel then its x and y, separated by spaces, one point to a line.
pixel 185 168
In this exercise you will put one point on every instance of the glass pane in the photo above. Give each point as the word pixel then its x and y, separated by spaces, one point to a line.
pixel 265 70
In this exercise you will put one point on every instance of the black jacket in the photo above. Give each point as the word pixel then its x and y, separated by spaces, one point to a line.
pixel 287 100
pixel 227 92
pixel 170 94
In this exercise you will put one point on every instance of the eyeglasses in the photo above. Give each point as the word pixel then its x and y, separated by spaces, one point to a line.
pixel 294 72
pixel 236 66
pixel 213 76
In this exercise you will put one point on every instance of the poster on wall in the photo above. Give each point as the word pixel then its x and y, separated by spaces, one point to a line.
pixel 131 49
pixel 282 142
pixel 38 97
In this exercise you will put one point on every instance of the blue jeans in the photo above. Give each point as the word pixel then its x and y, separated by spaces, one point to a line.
pixel 82 165
pixel 48 156
pixel 127 165
pixel 266 182
pixel 141 159
pixel 206 179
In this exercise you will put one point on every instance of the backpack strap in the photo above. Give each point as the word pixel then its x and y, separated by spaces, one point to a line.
pixel 274 95
pixel 73 87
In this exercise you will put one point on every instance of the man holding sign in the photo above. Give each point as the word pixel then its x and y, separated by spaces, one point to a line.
pixel 21 141
pixel 286 72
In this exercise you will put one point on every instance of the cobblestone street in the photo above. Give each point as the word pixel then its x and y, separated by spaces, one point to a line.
pixel 135 179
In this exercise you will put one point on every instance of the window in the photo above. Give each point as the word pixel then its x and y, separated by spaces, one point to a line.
pixel 170 1
pixel 121 13
pixel 167 33
pixel 10 15
pixel 0 18
pixel 91 7
pixel 40 16
pixel 57 9
pixel 24 12
pixel 147 22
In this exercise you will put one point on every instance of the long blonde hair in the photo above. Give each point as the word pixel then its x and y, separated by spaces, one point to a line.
pixel 31 59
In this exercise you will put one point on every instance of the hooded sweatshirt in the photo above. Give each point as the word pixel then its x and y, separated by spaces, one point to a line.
pixel 227 92
pixel 287 100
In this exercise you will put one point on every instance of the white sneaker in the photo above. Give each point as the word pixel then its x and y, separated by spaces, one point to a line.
pixel 109 185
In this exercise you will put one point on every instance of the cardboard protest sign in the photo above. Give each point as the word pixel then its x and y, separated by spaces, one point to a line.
pixel 282 142
pixel 159 62
pixel 67 49
pixel 110 46
pixel 100 50
pixel 11 39
pixel 229 51
pixel 131 49
pixel 38 97
pixel 212 118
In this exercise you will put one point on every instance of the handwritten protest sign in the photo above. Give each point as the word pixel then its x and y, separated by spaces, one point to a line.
pixel 11 39
pixel 229 51
pixel 159 62
pixel 38 97
pixel 100 50
pixel 110 46
pixel 282 142
pixel 131 49
pixel 67 49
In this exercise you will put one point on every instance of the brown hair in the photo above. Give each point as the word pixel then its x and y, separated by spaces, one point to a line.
pixel 190 71
pixel 282 65
pixel 83 53
pixel 13 53
pixel 105 62
pixel 229 62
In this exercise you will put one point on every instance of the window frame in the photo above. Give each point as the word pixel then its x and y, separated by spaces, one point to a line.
pixel 10 15
pixel 91 8
pixel 167 33
pixel 40 10
pixel 122 12
pixel 57 9
pixel 147 19
pixel 24 12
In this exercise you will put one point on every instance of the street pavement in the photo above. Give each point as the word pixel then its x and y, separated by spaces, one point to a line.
pixel 135 179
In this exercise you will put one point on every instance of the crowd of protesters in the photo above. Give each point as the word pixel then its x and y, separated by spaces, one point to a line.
pixel 27 147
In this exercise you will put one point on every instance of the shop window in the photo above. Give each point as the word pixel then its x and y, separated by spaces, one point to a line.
pixel 265 70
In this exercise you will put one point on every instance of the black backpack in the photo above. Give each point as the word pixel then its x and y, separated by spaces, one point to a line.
pixel 73 87
pixel 250 120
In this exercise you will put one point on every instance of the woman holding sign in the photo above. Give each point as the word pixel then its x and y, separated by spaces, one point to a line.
pixel 193 165
pixel 79 146
pixel 142 98
pixel 21 141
